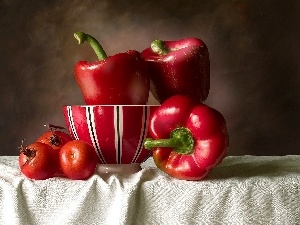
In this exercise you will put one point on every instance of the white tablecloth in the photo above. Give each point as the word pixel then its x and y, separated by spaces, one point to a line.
pixel 241 190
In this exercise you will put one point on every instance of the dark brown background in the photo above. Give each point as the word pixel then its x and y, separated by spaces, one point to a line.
pixel 254 49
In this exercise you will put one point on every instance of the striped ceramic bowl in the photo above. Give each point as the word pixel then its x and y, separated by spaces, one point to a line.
pixel 117 132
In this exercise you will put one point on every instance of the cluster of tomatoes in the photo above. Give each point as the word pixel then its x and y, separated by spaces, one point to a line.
pixel 55 153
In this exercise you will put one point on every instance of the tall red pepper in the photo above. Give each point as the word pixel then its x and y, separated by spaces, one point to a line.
pixel 179 67
pixel 121 79
pixel 189 139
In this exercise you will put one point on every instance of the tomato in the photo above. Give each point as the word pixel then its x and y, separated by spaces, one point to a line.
pixel 78 160
pixel 38 161
pixel 55 138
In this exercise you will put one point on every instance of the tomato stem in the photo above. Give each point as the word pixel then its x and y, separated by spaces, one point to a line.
pixel 55 127
pixel 30 153
pixel 54 139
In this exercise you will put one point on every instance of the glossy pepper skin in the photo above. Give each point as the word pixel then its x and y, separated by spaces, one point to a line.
pixel 121 79
pixel 189 138
pixel 179 67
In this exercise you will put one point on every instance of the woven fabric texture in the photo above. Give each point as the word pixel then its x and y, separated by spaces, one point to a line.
pixel 241 190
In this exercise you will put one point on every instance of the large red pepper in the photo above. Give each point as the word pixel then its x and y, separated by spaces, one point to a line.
pixel 179 67
pixel 189 139
pixel 121 79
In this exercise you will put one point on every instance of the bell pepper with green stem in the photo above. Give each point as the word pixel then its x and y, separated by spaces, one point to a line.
pixel 178 67
pixel 121 79
pixel 189 138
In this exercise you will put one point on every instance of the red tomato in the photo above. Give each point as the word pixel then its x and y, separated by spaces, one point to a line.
pixel 78 160
pixel 55 138
pixel 38 161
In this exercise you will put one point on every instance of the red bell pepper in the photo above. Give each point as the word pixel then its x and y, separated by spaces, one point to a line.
pixel 178 67
pixel 122 79
pixel 189 139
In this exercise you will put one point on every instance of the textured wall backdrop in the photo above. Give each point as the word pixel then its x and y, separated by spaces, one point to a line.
pixel 254 49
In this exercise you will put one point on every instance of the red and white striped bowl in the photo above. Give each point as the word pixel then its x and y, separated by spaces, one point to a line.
pixel 117 132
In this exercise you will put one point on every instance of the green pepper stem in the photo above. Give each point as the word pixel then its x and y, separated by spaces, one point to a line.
pixel 82 37
pixel 160 47
pixel 181 140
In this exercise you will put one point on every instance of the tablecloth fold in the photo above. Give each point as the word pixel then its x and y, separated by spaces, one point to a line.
pixel 241 190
